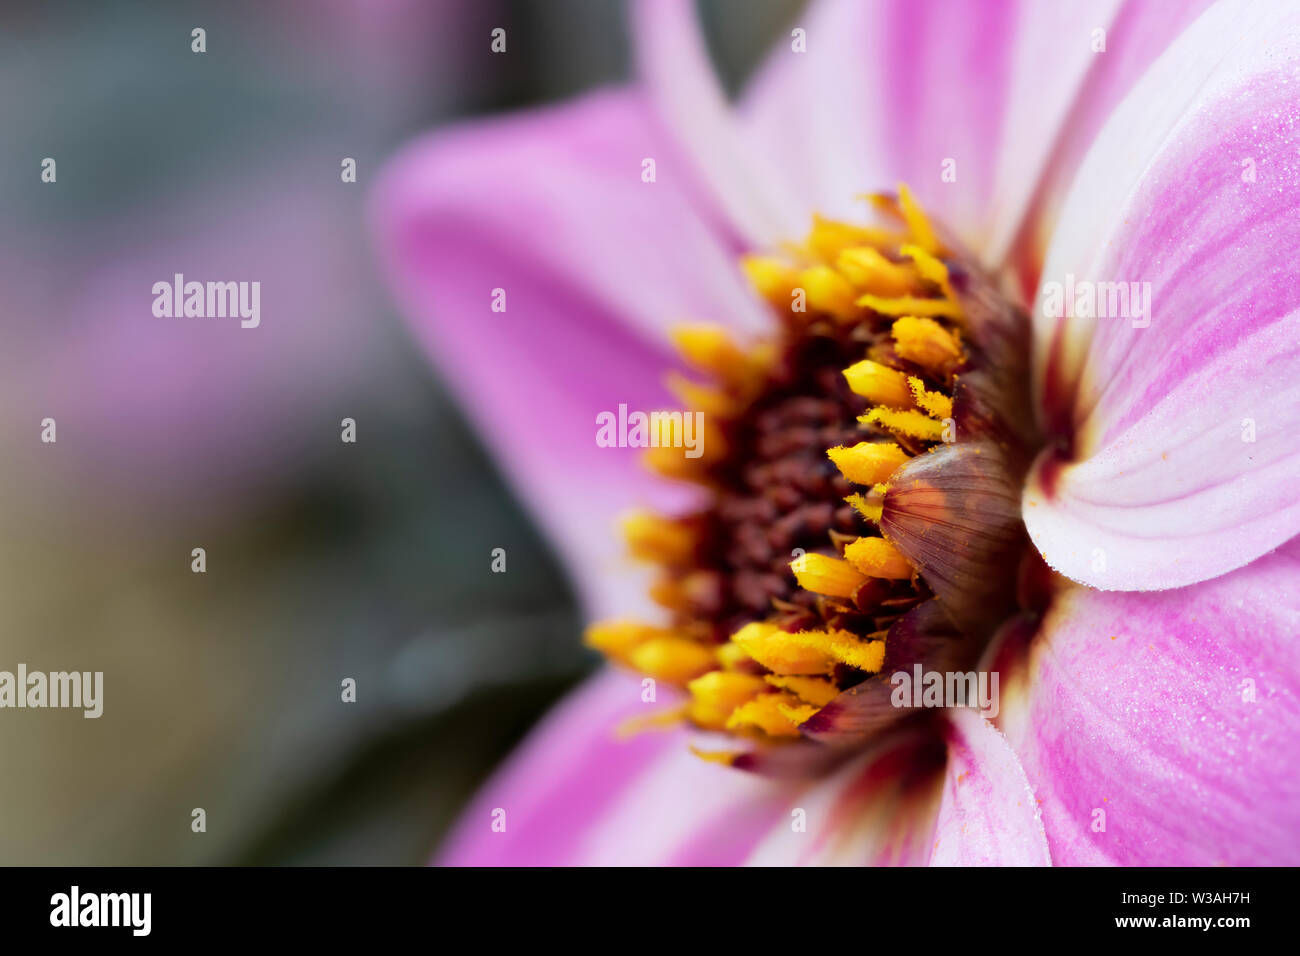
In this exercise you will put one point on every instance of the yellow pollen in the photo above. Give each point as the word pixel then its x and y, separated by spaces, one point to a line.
pixel 927 343
pixel 777 715
pixel 676 660
pixel 871 507
pixel 879 384
pixel 935 404
pixel 917 221
pixel 871 272
pixel 830 292
pixel 911 305
pixel 715 695
pixel 777 650
pixel 911 423
pixel 826 575
pixel 878 558
pixel 814 690
pixel 867 463
pixel 844 647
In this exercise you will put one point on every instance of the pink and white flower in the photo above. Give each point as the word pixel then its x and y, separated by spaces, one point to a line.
pixel 1149 710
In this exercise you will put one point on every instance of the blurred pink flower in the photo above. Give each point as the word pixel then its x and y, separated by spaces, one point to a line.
pixel 1123 696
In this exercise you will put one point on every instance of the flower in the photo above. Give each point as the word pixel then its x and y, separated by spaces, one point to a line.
pixel 1148 705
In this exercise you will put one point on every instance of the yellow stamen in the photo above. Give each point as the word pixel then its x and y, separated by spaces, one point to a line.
pixel 935 404
pixel 666 719
pixel 911 423
pixel 733 657
pixel 684 592
pixel 773 278
pixel 617 638
pixel 710 348
pixel 676 660
pixel 653 538
pixel 702 398
pixel 878 558
pixel 844 646
pixel 683 445
pixel 715 695
pixel 917 222
pixel 776 650
pixel 724 757
pixel 670 593
pixel 830 237
pixel 931 268
pixel 879 384
pixel 777 715
pixel 870 507
pixel 911 305
pixel 830 292
pixel 927 343
pixel 825 575
pixel 867 463
pixel 871 272
pixel 883 203
pixel 814 690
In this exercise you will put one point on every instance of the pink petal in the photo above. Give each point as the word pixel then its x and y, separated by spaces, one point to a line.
pixel 1136 706
pixel 890 89
pixel 674 62
pixel 595 265
pixel 574 794
pixel 1138 33
pixel 877 810
pixel 1162 487
pixel 989 815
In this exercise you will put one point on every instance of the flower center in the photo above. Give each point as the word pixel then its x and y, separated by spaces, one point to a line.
pixel 862 471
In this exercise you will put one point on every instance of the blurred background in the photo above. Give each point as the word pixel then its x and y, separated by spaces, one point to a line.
pixel 324 560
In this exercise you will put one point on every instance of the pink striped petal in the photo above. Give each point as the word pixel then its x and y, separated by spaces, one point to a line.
pixel 1164 728
pixel 1183 461
pixel 674 63
pixel 889 90
pixel 595 264
pixel 575 794
pixel 988 815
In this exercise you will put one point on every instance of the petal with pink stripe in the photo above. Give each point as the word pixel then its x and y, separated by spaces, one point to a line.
pixel 1163 729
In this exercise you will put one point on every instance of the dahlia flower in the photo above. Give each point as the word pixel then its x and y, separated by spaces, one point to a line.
pixel 991 315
